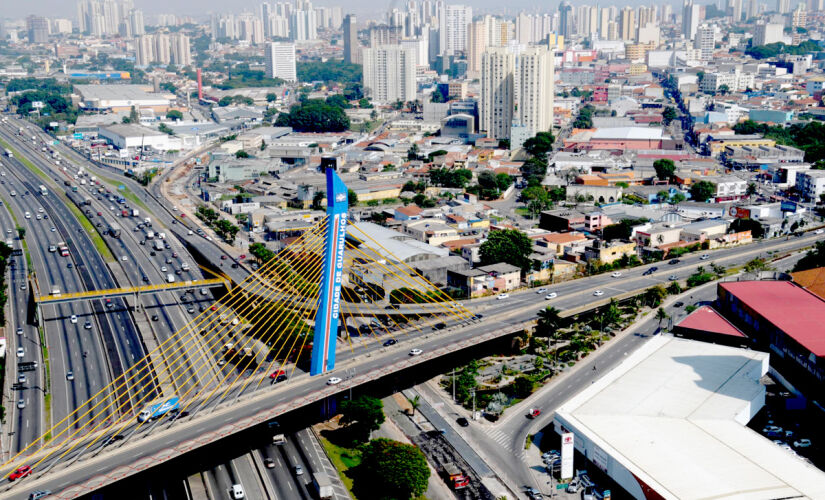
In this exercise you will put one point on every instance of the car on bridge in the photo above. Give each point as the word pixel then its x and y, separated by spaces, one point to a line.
pixel 415 352
pixel 333 381
pixel 390 342
pixel 533 413
pixel 277 373
pixel 598 293
pixel 21 472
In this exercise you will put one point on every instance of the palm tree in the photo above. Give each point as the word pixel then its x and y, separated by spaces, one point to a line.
pixel 414 403
pixel 661 315
pixel 548 321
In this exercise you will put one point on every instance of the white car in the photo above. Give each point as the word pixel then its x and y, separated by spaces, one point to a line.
pixel 163 269
pixel 333 381
pixel 704 257
pixel 237 492
pixel 598 293
pixel 73 319
pixel 53 229
pixel 616 274
pixel 20 352
pixel 802 443
pixel 124 258
pixel 819 231
pixel 69 375
pixel 551 295
pixel 541 291
pixel 503 296
pixel 415 352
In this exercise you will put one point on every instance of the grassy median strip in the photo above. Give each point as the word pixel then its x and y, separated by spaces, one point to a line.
pixel 126 192
pixel 97 239
pixel 25 161
pixel 343 459
pixel 23 241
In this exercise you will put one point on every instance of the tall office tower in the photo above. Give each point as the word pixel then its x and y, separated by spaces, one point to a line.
pixel 38 29
pixel 336 18
pixel 389 73
pixel 627 24
pixel 735 7
pixel 705 41
pixel 783 6
pixel 181 51
pixel 352 49
pixel 303 25
pixel 799 18
pixel 566 26
pixel 280 61
pixel 497 92
pixel 82 14
pixel 266 13
pixel 604 19
pixel 690 19
pixel 533 111
pixel 453 21
pixel 144 50
pixel 477 41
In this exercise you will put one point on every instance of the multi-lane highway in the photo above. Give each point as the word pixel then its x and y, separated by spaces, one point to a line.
pixel 371 361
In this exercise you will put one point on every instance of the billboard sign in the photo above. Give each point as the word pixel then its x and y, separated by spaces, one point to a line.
pixel 329 307
pixel 788 206
pixel 567 452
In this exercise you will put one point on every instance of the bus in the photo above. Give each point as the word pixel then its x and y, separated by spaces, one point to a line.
pixel 43 190
pixel 114 230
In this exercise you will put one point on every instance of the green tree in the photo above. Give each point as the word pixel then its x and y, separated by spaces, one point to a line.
pixel 813 259
pixel 661 315
pixel 757 265
pixel 548 322
pixel 412 153
pixel 317 200
pixel 415 403
pixel 522 387
pixel 702 191
pixel 263 146
pixel 654 295
pixel 539 145
pixel 752 189
pixel 21 232
pixel 352 198
pixel 338 100
pixel 664 168
pixel 165 129
pixel 261 253
pixel 134 117
pixel 510 246
pixel 503 181
pixel 362 415
pixel 174 114
pixel 674 288
pixel 396 470
pixel 241 154
pixel 270 97
pixel 314 116
pixel 668 115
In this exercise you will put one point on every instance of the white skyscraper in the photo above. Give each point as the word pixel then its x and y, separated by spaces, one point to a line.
pixel 453 22
pixel 516 92
pixel 302 22
pixel 389 73
pixel 280 61
pixel 764 34
pixel 477 40
pixel 266 13
pixel 136 22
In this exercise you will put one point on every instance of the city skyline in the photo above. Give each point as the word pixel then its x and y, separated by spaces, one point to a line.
pixel 57 8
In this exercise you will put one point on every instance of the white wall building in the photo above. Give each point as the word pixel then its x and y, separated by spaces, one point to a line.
pixel 453 21
pixel 811 184
pixel 280 61
pixel 766 33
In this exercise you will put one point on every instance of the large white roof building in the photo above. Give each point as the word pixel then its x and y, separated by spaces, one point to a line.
pixel 671 421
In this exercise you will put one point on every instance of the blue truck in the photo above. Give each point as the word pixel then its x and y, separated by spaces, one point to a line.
pixel 159 409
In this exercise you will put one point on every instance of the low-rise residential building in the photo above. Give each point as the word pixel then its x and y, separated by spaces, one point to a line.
pixel 607 253
pixel 811 184
pixel 431 231
pixel 704 230
pixel 659 234
pixel 480 281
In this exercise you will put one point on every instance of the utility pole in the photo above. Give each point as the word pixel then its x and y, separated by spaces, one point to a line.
pixel 453 372
pixel 474 404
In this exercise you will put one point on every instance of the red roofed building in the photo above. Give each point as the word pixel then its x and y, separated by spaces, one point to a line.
pixel 785 319
pixel 708 325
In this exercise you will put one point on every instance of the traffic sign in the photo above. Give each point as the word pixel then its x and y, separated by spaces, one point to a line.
pixel 77 135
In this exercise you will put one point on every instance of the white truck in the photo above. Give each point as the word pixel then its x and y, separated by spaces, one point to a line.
pixel 322 485
pixel 170 278
pixel 147 221
pixel 158 245
pixel 135 212
pixel 150 235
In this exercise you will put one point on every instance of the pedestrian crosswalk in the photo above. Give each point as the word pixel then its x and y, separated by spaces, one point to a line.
pixel 499 437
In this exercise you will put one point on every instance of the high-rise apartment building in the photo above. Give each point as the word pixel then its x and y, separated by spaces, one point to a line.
pixel 266 13
pixel 389 73
pixel 181 51
pixel 453 22
pixel 280 61
pixel 627 24
pixel 144 50
pixel 136 22
pixel 516 92
pixel 302 22
pixel 690 19
pixel 163 54
pixel 783 6
pixel 705 41
pixel 604 21
pixel 566 25
pixel 38 29
pixel 799 18
pixel 477 41
pixel 735 9
pixel 352 49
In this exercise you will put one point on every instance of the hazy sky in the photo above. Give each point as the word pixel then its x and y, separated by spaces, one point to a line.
pixel 365 8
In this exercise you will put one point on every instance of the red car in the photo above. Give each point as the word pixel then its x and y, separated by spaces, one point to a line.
pixel 213 308
pixel 20 472
pixel 223 257
pixel 242 257
pixel 534 412
pixel 277 374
